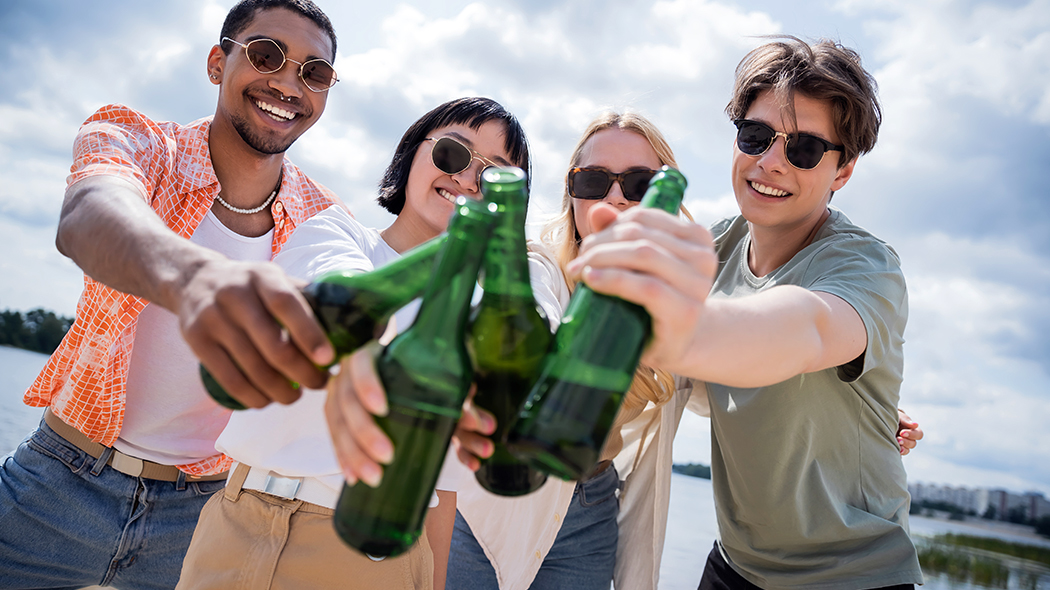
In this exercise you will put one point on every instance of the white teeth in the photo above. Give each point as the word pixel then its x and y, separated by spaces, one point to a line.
pixel 768 190
pixel 448 196
pixel 276 113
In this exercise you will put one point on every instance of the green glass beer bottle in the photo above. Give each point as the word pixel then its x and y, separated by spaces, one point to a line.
pixel 508 334
pixel 567 416
pixel 352 307
pixel 426 373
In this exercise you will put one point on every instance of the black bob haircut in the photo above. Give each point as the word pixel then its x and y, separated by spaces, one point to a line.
pixel 471 111
pixel 241 15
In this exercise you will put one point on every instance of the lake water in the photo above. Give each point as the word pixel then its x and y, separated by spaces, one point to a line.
pixel 691 527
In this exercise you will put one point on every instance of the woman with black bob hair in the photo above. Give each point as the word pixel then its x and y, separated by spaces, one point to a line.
pixel 471 111
pixel 440 157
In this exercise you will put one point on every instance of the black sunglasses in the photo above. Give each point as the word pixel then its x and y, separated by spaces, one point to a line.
pixel 267 57
pixel 804 151
pixel 452 157
pixel 594 183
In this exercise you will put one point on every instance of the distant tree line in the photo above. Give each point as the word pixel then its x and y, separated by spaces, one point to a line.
pixel 38 330
pixel 954 512
pixel 693 469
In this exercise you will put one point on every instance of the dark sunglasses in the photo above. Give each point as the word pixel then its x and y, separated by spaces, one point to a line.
pixel 452 157
pixel 267 57
pixel 594 183
pixel 804 151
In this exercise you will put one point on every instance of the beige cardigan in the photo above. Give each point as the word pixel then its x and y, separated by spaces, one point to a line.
pixel 645 466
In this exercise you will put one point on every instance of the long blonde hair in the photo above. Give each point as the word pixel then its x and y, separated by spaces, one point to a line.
pixel 563 238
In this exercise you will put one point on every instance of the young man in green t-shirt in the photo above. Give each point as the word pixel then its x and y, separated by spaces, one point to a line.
pixel 795 318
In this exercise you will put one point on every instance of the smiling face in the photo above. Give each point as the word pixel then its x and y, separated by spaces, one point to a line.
pixel 771 193
pixel 250 102
pixel 430 193
pixel 615 150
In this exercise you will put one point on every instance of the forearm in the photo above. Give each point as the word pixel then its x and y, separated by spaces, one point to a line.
pixel 115 238
pixel 765 338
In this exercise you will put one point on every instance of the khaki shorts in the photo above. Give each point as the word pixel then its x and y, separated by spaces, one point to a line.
pixel 250 540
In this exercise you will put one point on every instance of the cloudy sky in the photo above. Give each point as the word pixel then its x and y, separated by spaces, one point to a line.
pixel 953 183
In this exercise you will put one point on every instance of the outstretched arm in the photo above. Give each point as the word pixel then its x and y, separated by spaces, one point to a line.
pixel 668 266
pixel 232 314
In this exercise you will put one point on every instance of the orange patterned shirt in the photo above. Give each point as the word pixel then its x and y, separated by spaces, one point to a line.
pixel 84 381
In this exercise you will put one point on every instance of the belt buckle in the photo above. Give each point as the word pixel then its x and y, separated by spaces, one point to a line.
pixel 126 464
pixel 284 487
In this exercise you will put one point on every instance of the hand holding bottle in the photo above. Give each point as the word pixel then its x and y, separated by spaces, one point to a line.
pixel 659 261
pixel 251 315
pixel 352 307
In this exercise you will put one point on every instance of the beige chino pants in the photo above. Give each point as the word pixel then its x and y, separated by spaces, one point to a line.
pixel 250 540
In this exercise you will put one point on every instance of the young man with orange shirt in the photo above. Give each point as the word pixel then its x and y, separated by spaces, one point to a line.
pixel 174 226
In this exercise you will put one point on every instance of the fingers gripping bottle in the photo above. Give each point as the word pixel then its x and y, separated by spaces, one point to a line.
pixel 508 334
pixel 352 307
pixel 567 416
pixel 426 373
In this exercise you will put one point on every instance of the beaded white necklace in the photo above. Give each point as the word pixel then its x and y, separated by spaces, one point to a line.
pixel 265 204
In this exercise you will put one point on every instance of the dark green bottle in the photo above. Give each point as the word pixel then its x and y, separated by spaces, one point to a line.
pixel 508 335
pixel 567 416
pixel 426 373
pixel 351 307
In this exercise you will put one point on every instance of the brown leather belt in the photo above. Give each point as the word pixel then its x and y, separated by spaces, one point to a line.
pixel 125 464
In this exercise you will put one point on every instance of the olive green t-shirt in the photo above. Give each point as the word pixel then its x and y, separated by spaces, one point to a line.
pixel 809 486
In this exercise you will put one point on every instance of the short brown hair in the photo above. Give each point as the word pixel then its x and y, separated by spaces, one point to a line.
pixel 825 70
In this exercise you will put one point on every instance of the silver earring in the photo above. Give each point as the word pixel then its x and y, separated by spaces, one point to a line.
pixel 214 77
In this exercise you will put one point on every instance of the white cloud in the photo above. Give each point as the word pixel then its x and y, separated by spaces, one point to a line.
pixel 991 52
pixel 44 278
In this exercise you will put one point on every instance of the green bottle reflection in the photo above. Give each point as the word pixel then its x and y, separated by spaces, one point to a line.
pixel 567 416
pixel 351 307
pixel 426 373
pixel 508 335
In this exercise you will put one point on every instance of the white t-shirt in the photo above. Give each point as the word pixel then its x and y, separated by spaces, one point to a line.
pixel 293 440
pixel 169 417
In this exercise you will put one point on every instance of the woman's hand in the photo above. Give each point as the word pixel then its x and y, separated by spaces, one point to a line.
pixel 355 394
pixel 908 432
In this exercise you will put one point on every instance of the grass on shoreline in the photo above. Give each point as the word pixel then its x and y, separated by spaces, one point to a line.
pixel 1029 552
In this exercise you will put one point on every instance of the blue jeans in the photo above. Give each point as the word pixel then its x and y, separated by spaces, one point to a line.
pixel 583 554
pixel 67 520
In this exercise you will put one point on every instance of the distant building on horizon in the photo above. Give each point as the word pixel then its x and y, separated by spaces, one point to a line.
pixel 996 504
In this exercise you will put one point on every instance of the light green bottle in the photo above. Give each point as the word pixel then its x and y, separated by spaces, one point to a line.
pixel 568 414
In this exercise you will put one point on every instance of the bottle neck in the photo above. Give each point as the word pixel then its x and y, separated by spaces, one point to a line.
pixel 393 285
pixel 507 258
pixel 665 191
pixel 446 301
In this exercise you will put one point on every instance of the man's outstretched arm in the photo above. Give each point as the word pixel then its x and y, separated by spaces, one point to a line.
pixel 232 314
pixel 668 265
